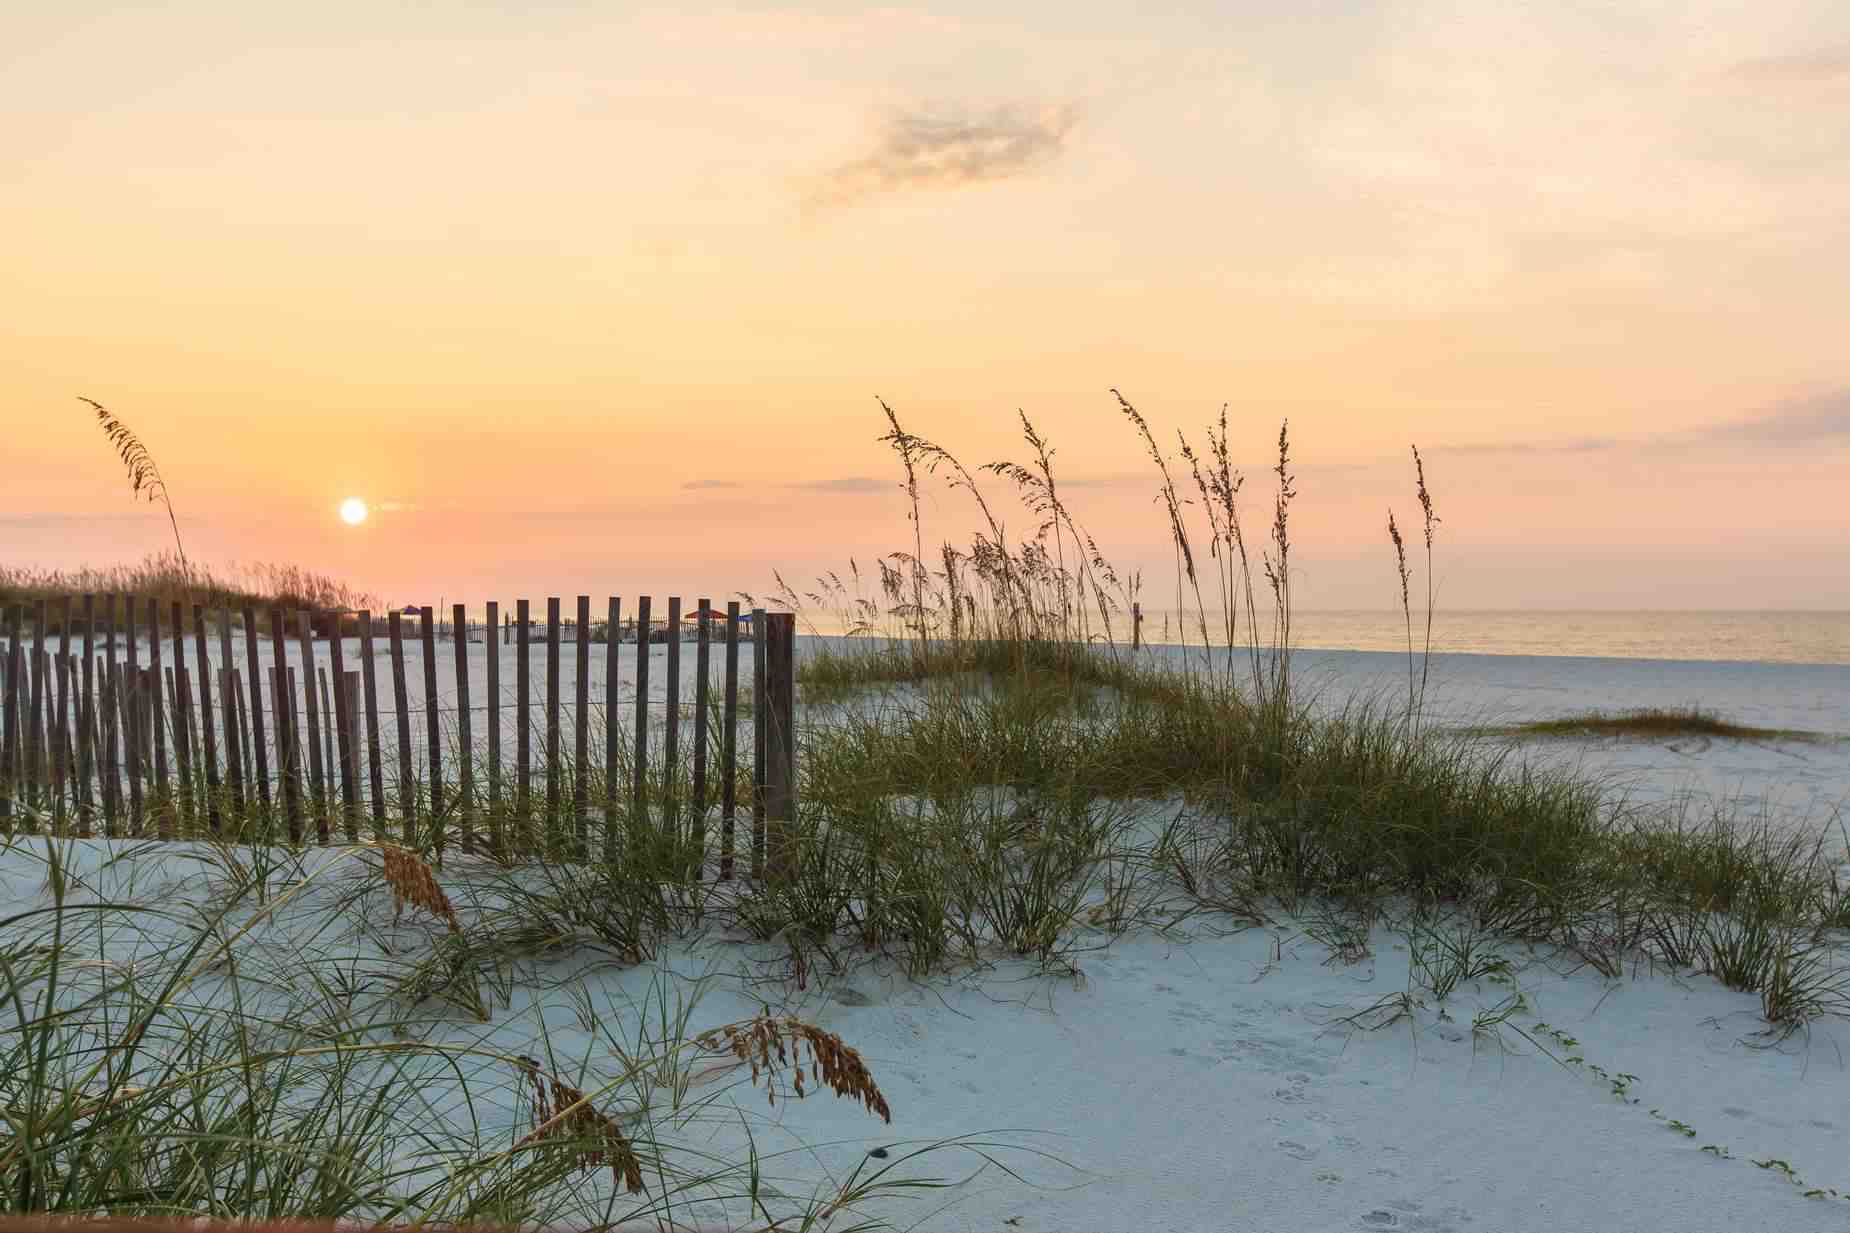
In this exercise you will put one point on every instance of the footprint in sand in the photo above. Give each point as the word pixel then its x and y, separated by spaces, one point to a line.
pixel 1296 1150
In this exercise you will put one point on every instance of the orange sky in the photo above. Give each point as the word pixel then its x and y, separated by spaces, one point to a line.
pixel 595 297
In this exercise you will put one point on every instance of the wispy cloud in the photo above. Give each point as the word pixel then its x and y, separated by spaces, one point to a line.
pixel 939 148
pixel 1809 420
pixel 1814 419
pixel 700 484
pixel 846 483
pixel 1824 64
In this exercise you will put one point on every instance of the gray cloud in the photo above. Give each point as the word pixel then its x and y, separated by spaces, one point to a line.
pixel 1811 420
pixel 1796 421
pixel 1820 65
pixel 695 485
pixel 846 483
pixel 921 149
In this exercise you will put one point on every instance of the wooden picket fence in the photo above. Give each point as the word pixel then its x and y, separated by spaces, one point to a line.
pixel 93 744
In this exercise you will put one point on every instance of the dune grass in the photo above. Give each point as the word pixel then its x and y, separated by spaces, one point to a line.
pixel 1650 723
pixel 165 578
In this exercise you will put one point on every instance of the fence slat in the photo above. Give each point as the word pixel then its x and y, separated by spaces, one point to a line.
pixel 282 716
pixel 465 745
pixel 759 729
pixel 776 645
pixel 640 791
pixel 671 761
pixel 9 716
pixel 86 719
pixel 178 704
pixel 157 710
pixel 553 845
pixel 702 649
pixel 491 644
pixel 112 810
pixel 407 784
pixel 523 726
pixel 36 776
pixel 207 735
pixel 134 743
pixel 228 706
pixel 67 687
pixel 581 733
pixel 330 767
pixel 375 770
pixel 433 728
pixel 613 657
pixel 343 729
pixel 311 709
pixel 242 728
pixel 260 758
pixel 729 745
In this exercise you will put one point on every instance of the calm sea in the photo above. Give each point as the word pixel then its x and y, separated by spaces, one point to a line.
pixel 1754 637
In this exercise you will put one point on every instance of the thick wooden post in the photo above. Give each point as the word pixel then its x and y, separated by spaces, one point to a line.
pixel 433 728
pixel 465 743
pixel 779 647
pixel 729 745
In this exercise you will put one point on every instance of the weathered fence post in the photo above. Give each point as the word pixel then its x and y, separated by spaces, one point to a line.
pixel 343 729
pixel 640 807
pixel 778 644
pixel 86 719
pixel 311 709
pixel 407 781
pixel 702 646
pixel 581 735
pixel 523 724
pixel 671 762
pixel 282 713
pixel 260 757
pixel 234 730
pixel 375 769
pixel 207 736
pixel 9 740
pixel 133 735
pixel 553 844
pixel 760 728
pixel 491 646
pixel 729 744
pixel 465 744
pixel 612 781
pixel 433 728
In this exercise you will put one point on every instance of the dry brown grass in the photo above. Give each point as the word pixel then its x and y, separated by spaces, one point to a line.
pixel 562 1111
pixel 413 882
pixel 769 1044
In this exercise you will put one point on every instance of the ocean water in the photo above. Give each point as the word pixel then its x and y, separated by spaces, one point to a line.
pixel 1728 637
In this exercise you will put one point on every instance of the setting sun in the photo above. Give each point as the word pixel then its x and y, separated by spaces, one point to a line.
pixel 353 511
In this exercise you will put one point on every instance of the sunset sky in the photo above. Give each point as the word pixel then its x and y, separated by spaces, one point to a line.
pixel 600 297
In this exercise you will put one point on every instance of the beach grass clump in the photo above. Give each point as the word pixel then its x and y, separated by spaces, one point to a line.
pixel 167 579
pixel 1650 724
pixel 984 694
